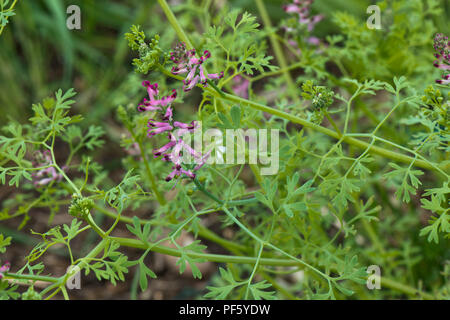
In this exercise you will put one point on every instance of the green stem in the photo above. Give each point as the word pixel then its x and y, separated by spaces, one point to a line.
pixel 95 227
pixel 386 282
pixel 202 232
pixel 327 115
pixel 30 277
pixel 174 22
pixel 133 243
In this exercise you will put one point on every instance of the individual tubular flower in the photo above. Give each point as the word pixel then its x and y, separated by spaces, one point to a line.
pixel 157 127
pixel 442 48
pixel 4 269
pixel 240 86
pixel 47 173
pixel 187 62
pixel 178 171
pixel 153 103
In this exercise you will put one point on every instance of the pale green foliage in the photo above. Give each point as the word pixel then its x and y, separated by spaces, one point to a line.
pixel 360 149
pixel 238 38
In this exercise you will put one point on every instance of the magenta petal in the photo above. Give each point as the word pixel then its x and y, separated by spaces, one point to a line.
pixel 215 75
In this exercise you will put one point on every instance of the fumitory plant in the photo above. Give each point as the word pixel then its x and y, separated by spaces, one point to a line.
pixel 360 123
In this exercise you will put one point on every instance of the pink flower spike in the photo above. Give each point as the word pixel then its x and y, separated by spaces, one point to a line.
pixel 187 62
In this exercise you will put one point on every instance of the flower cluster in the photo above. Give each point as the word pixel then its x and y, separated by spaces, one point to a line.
pixel 302 8
pixel 442 48
pixel 187 62
pixel 172 151
pixel 47 173
pixel 4 269
pixel 153 103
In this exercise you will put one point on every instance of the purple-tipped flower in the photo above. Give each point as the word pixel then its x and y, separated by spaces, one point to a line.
pixel 4 269
pixel 178 171
pixel 184 127
pixel 153 103
pixel 187 62
pixel 48 173
pixel 442 48
pixel 157 127
pixel 240 86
